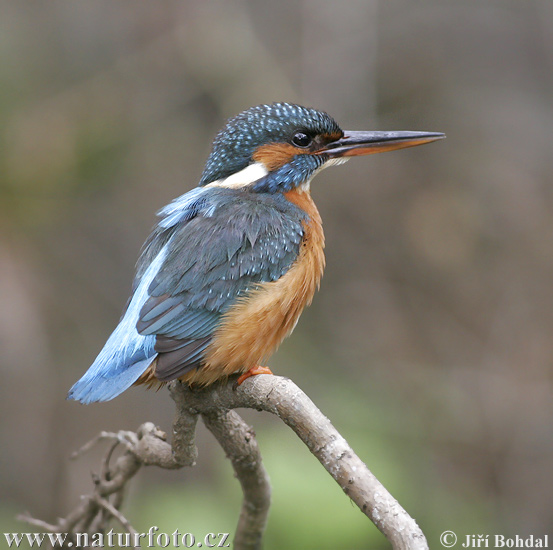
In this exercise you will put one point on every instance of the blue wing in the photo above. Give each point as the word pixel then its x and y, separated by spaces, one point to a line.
pixel 211 246
pixel 126 354
pixel 249 238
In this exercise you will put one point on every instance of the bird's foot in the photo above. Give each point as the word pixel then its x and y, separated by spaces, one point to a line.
pixel 258 369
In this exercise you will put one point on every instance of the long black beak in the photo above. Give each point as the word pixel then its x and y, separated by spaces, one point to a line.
pixel 367 143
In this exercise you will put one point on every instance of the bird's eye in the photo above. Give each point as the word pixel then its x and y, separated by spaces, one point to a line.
pixel 301 139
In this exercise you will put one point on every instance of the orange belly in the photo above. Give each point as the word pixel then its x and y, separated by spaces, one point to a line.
pixel 255 326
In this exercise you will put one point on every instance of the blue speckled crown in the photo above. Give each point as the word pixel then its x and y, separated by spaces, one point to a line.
pixel 235 144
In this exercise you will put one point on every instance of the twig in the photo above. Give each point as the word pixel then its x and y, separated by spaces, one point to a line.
pixel 239 443
pixel 124 437
pixel 280 396
pixel 27 518
pixel 274 394
pixel 117 515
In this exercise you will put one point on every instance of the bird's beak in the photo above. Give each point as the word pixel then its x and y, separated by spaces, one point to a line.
pixel 355 143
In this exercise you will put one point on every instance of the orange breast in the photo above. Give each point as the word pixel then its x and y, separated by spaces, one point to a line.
pixel 257 324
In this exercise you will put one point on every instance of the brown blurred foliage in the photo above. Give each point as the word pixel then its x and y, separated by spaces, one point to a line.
pixel 437 305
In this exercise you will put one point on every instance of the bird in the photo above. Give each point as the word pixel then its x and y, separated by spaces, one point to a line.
pixel 231 264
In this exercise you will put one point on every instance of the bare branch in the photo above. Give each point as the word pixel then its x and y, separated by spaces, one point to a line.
pixel 274 394
pixel 27 518
pixel 184 451
pixel 117 515
pixel 239 443
pixel 280 396
pixel 124 437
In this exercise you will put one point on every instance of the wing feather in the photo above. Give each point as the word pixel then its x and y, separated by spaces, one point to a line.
pixel 235 240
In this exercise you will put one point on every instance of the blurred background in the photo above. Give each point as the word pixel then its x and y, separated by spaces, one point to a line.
pixel 430 344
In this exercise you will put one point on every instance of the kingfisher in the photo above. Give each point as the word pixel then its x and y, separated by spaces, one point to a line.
pixel 231 264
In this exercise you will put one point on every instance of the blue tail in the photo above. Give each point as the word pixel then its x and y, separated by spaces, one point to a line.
pixel 126 355
pixel 124 358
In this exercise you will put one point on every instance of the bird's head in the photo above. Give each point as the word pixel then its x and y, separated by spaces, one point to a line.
pixel 278 147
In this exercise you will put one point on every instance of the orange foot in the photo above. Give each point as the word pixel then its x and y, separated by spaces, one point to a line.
pixel 258 369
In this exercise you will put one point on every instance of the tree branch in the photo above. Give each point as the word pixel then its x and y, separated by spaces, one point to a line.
pixel 274 394
pixel 280 396
pixel 239 443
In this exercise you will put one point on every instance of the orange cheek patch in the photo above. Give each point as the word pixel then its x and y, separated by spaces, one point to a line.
pixel 275 155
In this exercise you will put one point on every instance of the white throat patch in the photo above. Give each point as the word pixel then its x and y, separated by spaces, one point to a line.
pixel 256 171
pixel 246 176
pixel 305 186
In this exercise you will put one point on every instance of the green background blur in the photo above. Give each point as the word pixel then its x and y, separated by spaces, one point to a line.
pixel 430 344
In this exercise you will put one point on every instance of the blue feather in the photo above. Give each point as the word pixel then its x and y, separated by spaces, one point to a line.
pixel 185 208
pixel 126 354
